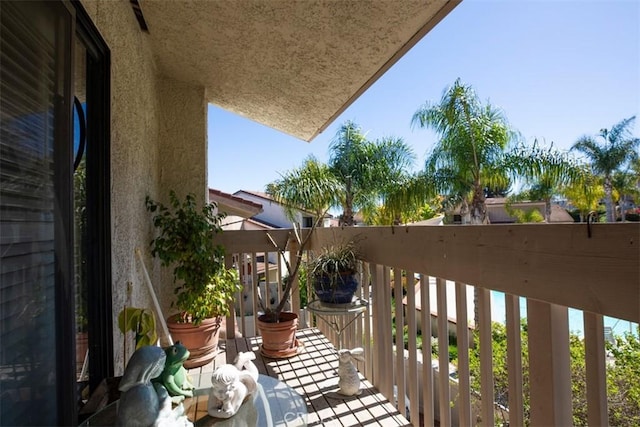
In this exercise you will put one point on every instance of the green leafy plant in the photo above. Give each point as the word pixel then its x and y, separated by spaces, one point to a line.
pixel 204 287
pixel 141 322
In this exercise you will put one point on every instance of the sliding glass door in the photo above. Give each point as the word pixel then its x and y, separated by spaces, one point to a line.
pixel 54 265
pixel 35 209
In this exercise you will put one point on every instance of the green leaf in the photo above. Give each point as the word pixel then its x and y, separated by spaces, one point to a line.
pixel 128 319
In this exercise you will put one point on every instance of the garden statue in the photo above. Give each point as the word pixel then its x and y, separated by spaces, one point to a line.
pixel 349 381
pixel 143 404
pixel 232 384
pixel 174 377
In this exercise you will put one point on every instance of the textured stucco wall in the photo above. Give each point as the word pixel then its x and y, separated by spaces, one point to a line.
pixel 182 156
pixel 182 139
pixel 158 143
pixel 135 122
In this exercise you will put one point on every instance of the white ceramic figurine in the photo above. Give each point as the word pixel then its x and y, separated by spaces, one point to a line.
pixel 231 385
pixel 349 382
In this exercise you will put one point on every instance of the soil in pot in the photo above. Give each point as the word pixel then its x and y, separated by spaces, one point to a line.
pixel 338 293
pixel 201 340
pixel 279 338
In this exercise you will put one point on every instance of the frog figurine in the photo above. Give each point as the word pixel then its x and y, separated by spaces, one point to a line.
pixel 144 402
pixel 174 377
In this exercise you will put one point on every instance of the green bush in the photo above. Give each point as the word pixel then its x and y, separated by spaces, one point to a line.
pixel 623 387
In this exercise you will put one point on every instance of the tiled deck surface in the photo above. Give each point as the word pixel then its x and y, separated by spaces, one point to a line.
pixel 313 374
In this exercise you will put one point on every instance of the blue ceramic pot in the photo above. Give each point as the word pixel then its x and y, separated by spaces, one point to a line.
pixel 339 292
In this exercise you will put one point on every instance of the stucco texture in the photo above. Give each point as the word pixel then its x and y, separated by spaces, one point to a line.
pixel 291 65
pixel 158 142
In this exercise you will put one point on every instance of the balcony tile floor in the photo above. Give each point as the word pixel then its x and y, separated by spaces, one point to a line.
pixel 313 374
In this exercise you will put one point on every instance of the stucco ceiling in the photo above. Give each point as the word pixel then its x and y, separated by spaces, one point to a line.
pixel 291 65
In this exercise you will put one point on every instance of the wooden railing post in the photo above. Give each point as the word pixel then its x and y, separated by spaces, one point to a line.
pixel 514 360
pixel 549 367
pixel 295 287
pixel 427 369
pixel 486 357
pixel 412 331
pixel 444 391
pixel 596 370
pixel 462 330
pixel 400 371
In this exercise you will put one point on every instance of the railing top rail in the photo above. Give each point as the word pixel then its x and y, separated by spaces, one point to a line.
pixel 596 271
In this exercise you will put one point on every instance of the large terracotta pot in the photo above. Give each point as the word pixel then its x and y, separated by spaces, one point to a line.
pixel 201 340
pixel 279 338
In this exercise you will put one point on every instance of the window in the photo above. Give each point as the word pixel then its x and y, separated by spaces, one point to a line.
pixel 307 222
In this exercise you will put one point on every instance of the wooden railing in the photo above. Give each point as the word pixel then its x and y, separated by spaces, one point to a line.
pixel 595 269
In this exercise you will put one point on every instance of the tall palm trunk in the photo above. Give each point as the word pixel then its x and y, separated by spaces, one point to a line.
pixel 347 214
pixel 608 199
pixel 478 206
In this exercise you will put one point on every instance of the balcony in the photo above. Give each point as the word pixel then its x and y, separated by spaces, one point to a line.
pixel 549 268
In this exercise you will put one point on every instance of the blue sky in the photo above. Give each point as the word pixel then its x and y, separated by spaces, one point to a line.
pixel 558 69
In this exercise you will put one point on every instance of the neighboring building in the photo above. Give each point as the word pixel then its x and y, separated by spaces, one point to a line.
pixel 239 211
pixel 497 210
pixel 273 213
pixel 498 214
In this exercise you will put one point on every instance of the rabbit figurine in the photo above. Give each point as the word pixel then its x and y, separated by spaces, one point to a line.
pixel 349 382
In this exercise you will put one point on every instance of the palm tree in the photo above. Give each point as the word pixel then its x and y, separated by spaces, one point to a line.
pixel 584 193
pixel 359 175
pixel 625 186
pixel 545 170
pixel 616 150
pixel 469 155
pixel 366 170
pixel 312 186
pixel 403 198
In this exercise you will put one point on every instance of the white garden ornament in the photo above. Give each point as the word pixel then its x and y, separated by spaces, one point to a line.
pixel 349 382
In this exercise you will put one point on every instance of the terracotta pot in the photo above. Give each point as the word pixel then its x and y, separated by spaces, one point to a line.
pixel 279 338
pixel 201 340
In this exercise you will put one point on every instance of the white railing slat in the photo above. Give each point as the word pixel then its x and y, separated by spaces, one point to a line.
pixel 427 371
pixel 549 367
pixel 400 371
pixel 595 364
pixel 462 331
pixel 514 360
pixel 387 339
pixel 486 357
pixel 444 391
pixel 412 331
pixel 367 321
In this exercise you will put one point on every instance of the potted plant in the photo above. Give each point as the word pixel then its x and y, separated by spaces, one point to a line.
pixel 301 188
pixel 204 287
pixel 334 274
pixel 277 326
